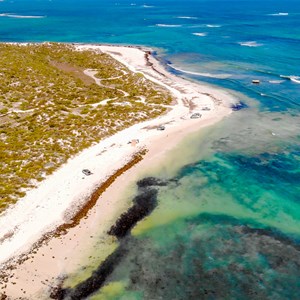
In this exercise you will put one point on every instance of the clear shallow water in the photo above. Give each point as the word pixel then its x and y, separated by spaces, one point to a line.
pixel 227 224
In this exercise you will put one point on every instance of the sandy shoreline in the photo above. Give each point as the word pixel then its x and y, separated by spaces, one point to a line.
pixel 57 198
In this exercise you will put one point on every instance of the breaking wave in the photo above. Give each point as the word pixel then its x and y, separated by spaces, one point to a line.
pixel 295 79
pixel 21 16
pixel 276 81
pixel 220 76
pixel 250 44
pixel 213 25
pixel 186 17
pixel 279 14
pixel 200 33
pixel 168 25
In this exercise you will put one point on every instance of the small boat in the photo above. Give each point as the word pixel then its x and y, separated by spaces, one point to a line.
pixel 256 81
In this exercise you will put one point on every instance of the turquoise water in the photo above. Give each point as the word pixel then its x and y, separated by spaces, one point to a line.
pixel 227 225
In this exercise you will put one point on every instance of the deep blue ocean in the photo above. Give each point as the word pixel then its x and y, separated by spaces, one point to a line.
pixel 227 223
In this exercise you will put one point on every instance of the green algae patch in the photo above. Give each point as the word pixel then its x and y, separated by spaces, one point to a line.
pixel 110 291
pixel 117 291
pixel 51 108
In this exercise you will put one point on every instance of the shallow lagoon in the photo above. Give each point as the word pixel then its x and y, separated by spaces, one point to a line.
pixel 227 219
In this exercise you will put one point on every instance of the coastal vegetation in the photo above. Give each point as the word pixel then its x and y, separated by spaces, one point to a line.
pixel 56 101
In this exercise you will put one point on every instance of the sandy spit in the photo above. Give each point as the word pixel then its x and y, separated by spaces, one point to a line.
pixel 55 201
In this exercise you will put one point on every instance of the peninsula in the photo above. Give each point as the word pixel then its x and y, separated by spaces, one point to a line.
pixel 69 107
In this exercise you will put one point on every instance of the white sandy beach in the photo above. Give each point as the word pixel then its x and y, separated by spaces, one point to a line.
pixel 63 193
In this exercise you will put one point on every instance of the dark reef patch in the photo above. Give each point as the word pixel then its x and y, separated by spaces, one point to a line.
pixel 152 181
pixel 96 281
pixel 144 204
pixel 238 266
pixel 274 234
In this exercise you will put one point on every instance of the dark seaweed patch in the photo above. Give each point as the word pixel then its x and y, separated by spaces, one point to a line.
pixel 273 234
pixel 96 281
pixel 144 204
pixel 151 181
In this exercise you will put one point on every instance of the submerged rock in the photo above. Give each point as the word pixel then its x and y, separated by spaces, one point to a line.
pixel 144 204
pixel 239 106
pixel 151 181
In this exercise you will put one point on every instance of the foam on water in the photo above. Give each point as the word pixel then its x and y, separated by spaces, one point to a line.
pixel 276 81
pixel 250 44
pixel 186 17
pixel 200 33
pixel 168 25
pixel 21 16
pixel 295 79
pixel 147 6
pixel 211 75
pixel 213 25
pixel 279 14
